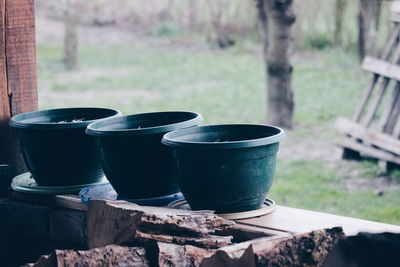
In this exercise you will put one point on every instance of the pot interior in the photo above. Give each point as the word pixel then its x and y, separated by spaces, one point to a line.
pixel 224 133
pixel 144 121
pixel 67 115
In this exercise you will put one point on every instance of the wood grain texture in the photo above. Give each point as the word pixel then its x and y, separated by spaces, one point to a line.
pixel 369 136
pixel 5 111
pixel 120 222
pixel 19 82
pixel 381 67
pixel 296 221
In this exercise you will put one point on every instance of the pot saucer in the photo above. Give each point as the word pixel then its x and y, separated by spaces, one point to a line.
pixel 267 207
pixel 26 184
pixel 107 192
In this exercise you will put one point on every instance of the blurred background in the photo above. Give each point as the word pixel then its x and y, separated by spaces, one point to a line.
pixel 207 56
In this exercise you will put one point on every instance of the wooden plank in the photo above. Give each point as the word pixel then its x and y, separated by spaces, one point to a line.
pixel 396 131
pixel 393 39
pixel 72 202
pixel 368 151
pixel 386 121
pixel 385 69
pixel 381 67
pixel 302 221
pixel 5 111
pixel 369 136
pixel 365 98
pixel 18 78
pixel 394 117
pixel 395 8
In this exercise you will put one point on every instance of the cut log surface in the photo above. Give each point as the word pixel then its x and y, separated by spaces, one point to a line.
pixel 120 222
pixel 107 256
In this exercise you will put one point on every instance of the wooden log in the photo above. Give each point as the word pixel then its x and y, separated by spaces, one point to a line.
pixel 120 222
pixel 18 78
pixel 366 249
pixel 173 255
pixel 106 256
pixel 308 249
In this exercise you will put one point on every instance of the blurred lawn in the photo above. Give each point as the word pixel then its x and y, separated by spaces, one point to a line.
pixel 226 87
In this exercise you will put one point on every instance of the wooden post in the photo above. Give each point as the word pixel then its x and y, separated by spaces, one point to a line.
pixel 18 77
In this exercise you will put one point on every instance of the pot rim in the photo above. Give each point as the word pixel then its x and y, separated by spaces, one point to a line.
pixel 17 120
pixel 170 139
pixel 94 129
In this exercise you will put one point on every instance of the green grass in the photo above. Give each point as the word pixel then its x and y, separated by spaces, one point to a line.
pixel 226 86
pixel 311 185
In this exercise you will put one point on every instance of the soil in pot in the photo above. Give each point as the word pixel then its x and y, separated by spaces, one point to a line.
pixel 226 168
pixel 60 154
pixel 133 158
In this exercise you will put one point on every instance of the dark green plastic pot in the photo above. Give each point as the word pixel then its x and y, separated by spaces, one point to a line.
pixel 133 158
pixel 56 150
pixel 5 178
pixel 226 168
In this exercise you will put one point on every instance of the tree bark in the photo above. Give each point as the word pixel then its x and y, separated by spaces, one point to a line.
pixel 70 37
pixel 106 256
pixel 308 249
pixel 339 13
pixel 279 69
pixel 262 25
pixel 368 27
pixel 18 78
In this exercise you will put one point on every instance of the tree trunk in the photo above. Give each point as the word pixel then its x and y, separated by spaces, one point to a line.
pixel 192 6
pixel 368 27
pixel 279 69
pixel 70 38
pixel 262 24
pixel 339 13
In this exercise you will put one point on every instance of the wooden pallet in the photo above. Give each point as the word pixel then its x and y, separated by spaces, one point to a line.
pixel 374 130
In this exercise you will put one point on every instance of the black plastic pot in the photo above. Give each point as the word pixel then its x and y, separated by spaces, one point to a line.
pixel 133 158
pixel 226 168
pixel 5 178
pixel 55 147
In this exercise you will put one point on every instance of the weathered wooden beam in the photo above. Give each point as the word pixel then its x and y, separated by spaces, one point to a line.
pixel 369 136
pixel 18 77
pixel 381 67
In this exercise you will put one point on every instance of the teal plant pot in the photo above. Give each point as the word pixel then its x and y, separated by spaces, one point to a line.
pixel 226 168
pixel 55 147
pixel 134 160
